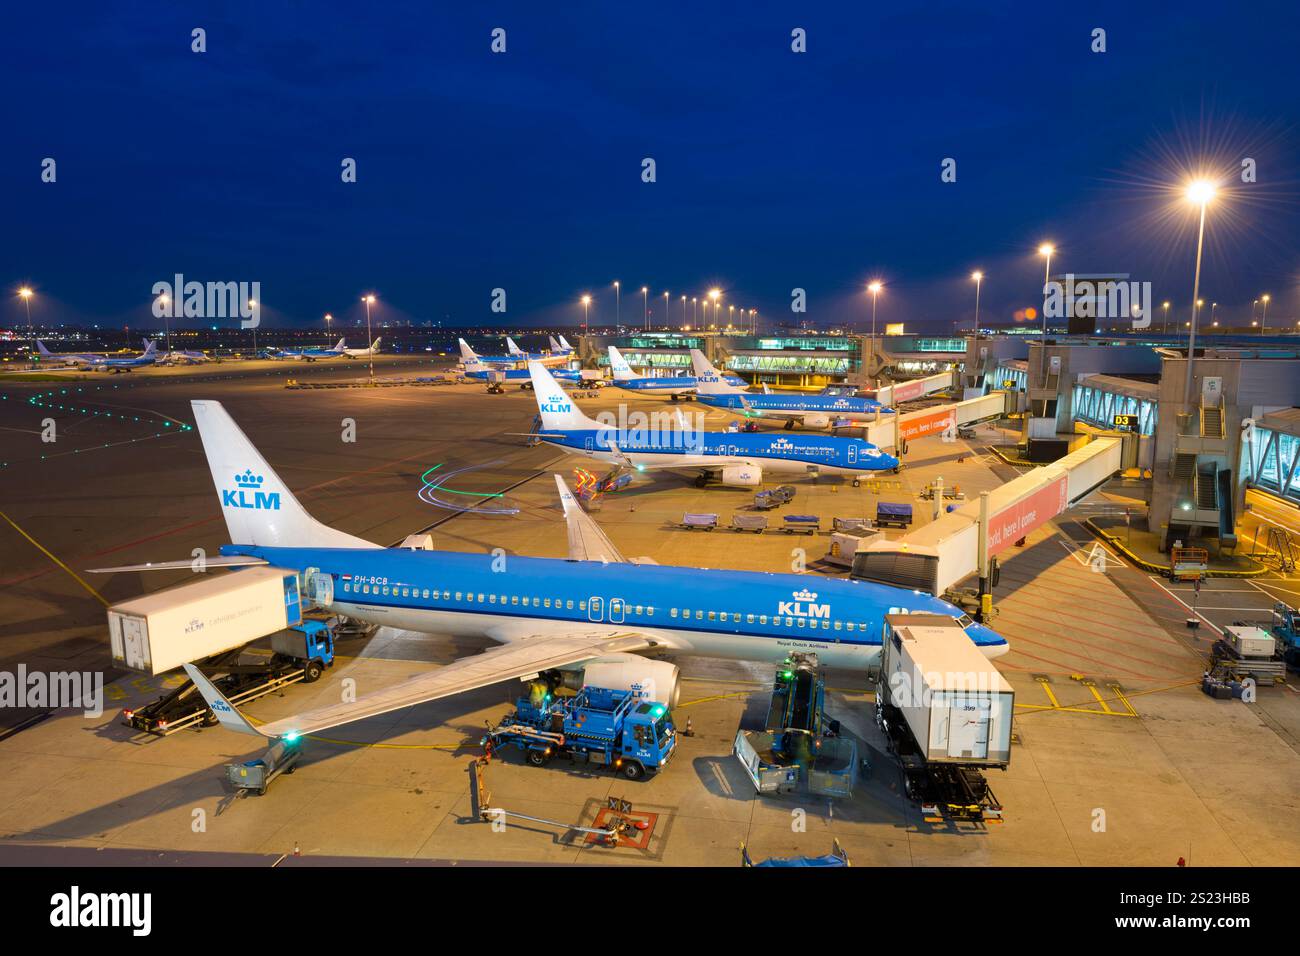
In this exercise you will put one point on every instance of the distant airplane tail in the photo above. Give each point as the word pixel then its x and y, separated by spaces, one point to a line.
pixel 622 371
pixel 150 347
pixel 512 348
pixel 342 344
pixel 709 380
pixel 565 343
pixel 45 353
pixel 374 346
pixel 258 507
pixel 467 354
pixel 555 346
pixel 558 412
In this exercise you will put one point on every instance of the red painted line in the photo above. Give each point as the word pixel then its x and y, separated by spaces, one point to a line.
pixel 1106 665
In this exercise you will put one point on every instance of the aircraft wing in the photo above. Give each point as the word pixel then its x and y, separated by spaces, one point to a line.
pixel 185 564
pixel 587 542
pixel 518 660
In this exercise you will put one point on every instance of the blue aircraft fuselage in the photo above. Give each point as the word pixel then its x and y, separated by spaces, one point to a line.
pixel 745 615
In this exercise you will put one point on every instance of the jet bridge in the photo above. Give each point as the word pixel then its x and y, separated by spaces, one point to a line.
pixel 941 554
pixel 895 431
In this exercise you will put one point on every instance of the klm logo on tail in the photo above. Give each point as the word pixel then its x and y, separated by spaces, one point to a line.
pixel 248 494
pixel 803 605
pixel 556 405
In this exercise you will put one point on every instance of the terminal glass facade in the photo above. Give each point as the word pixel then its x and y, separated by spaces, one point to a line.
pixel 1268 461
pixel 1099 407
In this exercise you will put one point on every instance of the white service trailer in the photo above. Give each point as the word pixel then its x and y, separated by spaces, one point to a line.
pixel 956 704
pixel 220 612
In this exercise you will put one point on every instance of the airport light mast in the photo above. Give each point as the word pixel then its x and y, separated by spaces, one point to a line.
pixel 979 278
pixel 1047 250
pixel 167 330
pixel 26 295
pixel 369 300
pixel 252 304
pixel 1263 316
pixel 645 306
pixel 1199 192
pixel 618 304
pixel 586 304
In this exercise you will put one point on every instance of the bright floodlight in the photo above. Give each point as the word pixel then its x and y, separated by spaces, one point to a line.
pixel 714 293
pixel 368 299
pixel 586 299
pixel 1046 249
pixel 977 275
pixel 875 287
pixel 1201 191
pixel 25 293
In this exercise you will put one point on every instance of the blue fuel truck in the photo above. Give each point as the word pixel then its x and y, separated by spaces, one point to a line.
pixel 610 728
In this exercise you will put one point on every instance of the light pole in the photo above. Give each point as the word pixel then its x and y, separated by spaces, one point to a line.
pixel 645 306
pixel 683 309
pixel 167 332
pixel 979 278
pixel 874 288
pixel 1046 250
pixel 1200 193
pixel 714 294
pixel 1263 315
pixel 586 304
pixel 369 300
pixel 26 295
pixel 666 319
pixel 695 310
pixel 252 304
pixel 618 305
pixel 1164 323
pixel 328 319
pixel 1214 307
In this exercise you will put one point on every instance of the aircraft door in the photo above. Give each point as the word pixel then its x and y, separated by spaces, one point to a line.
pixel 595 608
pixel 616 610
pixel 853 454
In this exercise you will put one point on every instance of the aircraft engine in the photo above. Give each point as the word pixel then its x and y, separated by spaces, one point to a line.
pixel 744 475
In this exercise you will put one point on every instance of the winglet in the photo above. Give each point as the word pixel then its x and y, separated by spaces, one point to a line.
pixel 225 711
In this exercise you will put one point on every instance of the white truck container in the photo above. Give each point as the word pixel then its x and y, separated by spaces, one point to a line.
pixel 1249 641
pixel 957 705
pixel 220 612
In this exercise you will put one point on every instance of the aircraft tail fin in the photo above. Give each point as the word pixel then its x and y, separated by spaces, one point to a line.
pixel 258 507
pixel 558 412
pixel 512 348
pixel 45 353
pixel 467 354
pixel 565 343
pixel 151 348
pixel 374 346
pixel 709 380
pixel 622 371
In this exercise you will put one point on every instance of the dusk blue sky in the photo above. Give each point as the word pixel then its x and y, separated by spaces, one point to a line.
pixel 523 171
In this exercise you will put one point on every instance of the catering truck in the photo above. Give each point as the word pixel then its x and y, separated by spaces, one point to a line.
pixel 210 623
pixel 946 712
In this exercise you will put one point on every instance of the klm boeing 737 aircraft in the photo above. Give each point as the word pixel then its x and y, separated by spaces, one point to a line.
pixel 811 411
pixel 625 378
pixel 476 369
pixel 554 616
pixel 730 457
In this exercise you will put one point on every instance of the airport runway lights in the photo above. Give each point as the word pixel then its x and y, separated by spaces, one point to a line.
pixel 978 278
pixel 1046 250
pixel 1199 193
pixel 26 295
pixel 369 300
pixel 1263 316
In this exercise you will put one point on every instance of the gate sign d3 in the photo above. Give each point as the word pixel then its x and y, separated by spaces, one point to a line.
pixel 1017 520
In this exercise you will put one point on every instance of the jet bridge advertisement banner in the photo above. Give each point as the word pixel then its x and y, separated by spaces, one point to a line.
pixel 920 424
pixel 1014 522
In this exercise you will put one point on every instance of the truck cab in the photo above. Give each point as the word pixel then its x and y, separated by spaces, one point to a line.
pixel 648 738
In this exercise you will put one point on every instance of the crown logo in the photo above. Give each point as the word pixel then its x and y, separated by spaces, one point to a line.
pixel 248 479
pixel 805 595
